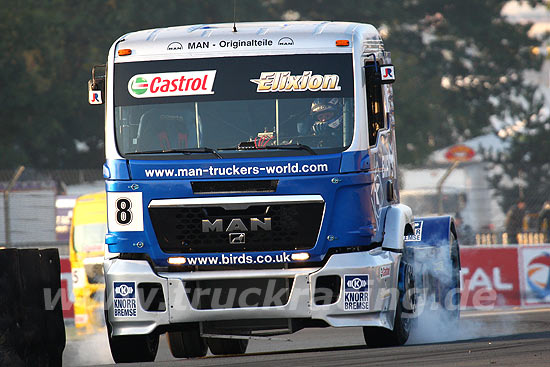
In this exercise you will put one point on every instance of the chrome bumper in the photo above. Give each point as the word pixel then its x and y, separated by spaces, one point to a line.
pixel 382 293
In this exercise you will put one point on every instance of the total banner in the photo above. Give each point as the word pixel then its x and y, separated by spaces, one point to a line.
pixel 505 276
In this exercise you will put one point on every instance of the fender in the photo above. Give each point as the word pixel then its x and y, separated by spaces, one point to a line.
pixel 436 256
pixel 395 221
pixel 436 232
pixel 432 231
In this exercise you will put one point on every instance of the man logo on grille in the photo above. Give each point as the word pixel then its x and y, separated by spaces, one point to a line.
pixel 236 224
pixel 236 238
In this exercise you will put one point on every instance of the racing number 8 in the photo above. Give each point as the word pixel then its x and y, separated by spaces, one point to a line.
pixel 123 212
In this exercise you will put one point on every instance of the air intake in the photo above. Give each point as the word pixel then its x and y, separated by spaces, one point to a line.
pixel 234 187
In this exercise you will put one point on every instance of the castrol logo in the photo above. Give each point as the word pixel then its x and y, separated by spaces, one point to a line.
pixel 186 83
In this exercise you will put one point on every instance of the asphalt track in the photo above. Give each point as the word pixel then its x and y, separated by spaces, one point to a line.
pixel 492 338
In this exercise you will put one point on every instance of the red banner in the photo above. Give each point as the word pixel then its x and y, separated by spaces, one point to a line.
pixel 67 297
pixel 489 277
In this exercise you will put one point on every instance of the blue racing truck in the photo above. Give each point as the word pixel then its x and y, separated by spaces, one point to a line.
pixel 251 180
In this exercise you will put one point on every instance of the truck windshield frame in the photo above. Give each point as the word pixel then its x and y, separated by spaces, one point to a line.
pixel 215 104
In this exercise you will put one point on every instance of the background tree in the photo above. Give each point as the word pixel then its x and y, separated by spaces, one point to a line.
pixel 523 170
pixel 458 64
pixel 49 49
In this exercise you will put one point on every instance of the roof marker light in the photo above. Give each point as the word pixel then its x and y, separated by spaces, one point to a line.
pixel 342 43
pixel 124 52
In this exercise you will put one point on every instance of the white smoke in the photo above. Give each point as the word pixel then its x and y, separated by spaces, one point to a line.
pixel 433 322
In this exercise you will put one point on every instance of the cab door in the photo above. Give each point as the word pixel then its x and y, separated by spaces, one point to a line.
pixel 381 134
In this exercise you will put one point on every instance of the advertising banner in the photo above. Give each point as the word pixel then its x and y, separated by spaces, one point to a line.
pixel 489 277
pixel 67 297
pixel 534 275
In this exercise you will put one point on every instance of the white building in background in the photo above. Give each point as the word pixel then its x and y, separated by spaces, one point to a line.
pixel 465 191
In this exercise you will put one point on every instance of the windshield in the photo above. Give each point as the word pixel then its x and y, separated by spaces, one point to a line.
pixel 89 237
pixel 235 105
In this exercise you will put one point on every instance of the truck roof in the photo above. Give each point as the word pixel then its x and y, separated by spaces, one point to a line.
pixel 258 38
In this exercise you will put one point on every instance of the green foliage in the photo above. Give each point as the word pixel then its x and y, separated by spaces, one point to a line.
pixel 465 45
pixel 49 50
pixel 50 47
pixel 523 170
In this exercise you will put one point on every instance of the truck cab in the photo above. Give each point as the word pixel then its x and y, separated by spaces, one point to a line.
pixel 251 186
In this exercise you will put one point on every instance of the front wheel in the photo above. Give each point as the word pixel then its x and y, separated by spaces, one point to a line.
pixel 187 343
pixel 380 337
pixel 133 348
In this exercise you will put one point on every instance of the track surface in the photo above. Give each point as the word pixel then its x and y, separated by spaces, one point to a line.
pixel 509 338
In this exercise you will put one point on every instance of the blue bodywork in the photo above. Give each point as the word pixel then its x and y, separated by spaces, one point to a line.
pixel 437 260
pixel 436 231
pixel 348 219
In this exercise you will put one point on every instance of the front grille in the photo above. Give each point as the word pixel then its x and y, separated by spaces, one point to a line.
pixel 294 226
pixel 238 293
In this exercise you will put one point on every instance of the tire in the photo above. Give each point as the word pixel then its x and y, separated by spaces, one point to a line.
pixel 220 346
pixel 186 343
pixel 380 337
pixel 132 348
pixel 454 287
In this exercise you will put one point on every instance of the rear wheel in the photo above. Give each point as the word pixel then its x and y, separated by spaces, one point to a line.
pixel 132 348
pixel 220 346
pixel 187 343
pixel 379 337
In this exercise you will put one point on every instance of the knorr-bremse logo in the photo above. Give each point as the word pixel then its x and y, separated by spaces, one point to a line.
pixel 139 85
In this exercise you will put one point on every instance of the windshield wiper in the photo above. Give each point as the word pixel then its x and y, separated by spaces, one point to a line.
pixel 249 145
pixel 292 146
pixel 184 151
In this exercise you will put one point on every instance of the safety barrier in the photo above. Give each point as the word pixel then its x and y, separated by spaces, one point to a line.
pixel 525 238
pixel 499 276
pixel 32 330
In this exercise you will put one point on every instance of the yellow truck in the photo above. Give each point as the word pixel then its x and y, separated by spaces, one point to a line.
pixel 88 228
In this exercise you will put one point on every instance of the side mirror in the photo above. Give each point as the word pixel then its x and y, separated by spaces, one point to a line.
pixel 379 74
pixel 96 86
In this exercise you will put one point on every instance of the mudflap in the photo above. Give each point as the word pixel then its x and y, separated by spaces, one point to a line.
pixel 434 252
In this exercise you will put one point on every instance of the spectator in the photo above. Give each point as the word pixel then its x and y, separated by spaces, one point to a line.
pixel 544 220
pixel 514 221
pixel 464 231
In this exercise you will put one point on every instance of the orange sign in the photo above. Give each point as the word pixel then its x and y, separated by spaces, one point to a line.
pixel 459 153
